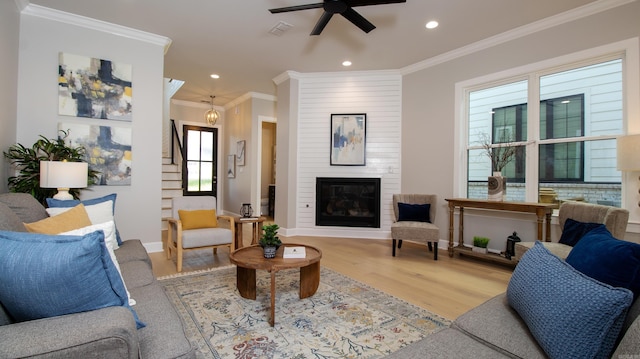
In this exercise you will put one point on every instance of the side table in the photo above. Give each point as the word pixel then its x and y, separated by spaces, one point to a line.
pixel 256 229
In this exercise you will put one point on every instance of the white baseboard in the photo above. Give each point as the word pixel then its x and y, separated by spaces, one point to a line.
pixel 153 247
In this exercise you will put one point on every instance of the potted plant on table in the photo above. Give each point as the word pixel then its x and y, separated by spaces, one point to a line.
pixel 269 240
pixel 480 244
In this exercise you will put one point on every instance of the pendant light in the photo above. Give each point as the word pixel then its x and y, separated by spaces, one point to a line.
pixel 211 116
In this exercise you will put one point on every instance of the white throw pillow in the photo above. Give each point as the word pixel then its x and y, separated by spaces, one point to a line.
pixel 98 213
pixel 109 230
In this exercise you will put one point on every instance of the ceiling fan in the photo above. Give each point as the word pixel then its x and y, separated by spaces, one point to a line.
pixel 342 7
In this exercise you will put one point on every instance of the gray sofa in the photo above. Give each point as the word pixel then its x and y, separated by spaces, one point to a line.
pixel 104 333
pixel 495 330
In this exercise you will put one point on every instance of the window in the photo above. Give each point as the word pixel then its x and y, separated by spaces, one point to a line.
pixel 199 171
pixel 565 144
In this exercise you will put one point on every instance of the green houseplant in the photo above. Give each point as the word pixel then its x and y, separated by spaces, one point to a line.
pixel 27 161
pixel 269 240
pixel 480 244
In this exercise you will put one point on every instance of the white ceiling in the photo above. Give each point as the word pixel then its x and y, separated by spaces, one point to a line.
pixel 231 37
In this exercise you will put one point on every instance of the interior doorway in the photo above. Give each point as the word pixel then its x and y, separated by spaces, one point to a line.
pixel 267 166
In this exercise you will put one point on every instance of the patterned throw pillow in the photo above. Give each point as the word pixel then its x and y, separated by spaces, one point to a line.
pixel 570 314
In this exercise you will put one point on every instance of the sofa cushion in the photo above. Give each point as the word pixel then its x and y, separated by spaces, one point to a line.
pixel 52 202
pixel 573 231
pixel 9 221
pixel 609 260
pixel 73 219
pixel 199 218
pixel 132 250
pixel 25 206
pixel 508 333
pixel 413 212
pixel 570 314
pixel 45 276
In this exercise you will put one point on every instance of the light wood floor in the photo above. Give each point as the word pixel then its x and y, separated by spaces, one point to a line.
pixel 447 287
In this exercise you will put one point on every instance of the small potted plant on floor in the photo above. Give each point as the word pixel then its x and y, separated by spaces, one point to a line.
pixel 269 240
pixel 480 244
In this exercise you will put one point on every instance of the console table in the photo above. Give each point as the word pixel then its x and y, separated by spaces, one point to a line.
pixel 542 211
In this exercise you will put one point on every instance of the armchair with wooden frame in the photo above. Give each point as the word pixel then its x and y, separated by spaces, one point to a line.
pixel 208 234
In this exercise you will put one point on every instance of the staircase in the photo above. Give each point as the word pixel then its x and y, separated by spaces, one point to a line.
pixel 171 187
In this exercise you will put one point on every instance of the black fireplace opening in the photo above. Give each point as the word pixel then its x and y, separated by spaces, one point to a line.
pixel 348 202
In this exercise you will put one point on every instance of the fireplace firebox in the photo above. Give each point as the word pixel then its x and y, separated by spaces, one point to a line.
pixel 348 202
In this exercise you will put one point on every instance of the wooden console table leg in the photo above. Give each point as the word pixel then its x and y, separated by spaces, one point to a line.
pixel 451 210
pixel 309 280
pixel 548 227
pixel 272 320
pixel 540 215
pixel 246 282
pixel 461 228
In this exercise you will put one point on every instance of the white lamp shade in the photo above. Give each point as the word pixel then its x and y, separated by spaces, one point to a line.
pixel 628 154
pixel 58 174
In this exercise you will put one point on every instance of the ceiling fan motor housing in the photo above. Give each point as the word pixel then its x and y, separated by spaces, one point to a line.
pixel 335 6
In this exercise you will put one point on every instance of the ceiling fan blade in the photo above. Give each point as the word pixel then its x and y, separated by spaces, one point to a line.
pixel 296 8
pixel 372 2
pixel 322 22
pixel 358 20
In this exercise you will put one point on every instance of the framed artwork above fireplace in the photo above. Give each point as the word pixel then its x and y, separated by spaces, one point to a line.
pixel 348 139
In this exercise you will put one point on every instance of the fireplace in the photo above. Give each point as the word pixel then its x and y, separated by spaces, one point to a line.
pixel 348 202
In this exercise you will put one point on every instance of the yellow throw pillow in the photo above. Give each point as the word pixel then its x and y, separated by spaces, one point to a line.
pixel 201 218
pixel 74 218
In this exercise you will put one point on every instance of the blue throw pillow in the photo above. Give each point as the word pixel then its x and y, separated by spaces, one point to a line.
pixel 45 276
pixel 52 203
pixel 573 231
pixel 570 314
pixel 602 257
pixel 413 212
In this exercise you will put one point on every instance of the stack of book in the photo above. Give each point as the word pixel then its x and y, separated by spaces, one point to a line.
pixel 294 252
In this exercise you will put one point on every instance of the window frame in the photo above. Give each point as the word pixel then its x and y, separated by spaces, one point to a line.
pixel 626 50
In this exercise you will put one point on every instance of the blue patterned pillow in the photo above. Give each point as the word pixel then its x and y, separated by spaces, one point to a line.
pixel 52 203
pixel 44 276
pixel 413 212
pixel 570 314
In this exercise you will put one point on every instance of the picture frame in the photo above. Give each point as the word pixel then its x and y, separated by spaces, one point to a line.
pixel 231 166
pixel 348 139
pixel 241 147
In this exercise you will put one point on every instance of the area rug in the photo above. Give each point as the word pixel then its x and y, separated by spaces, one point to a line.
pixel 343 319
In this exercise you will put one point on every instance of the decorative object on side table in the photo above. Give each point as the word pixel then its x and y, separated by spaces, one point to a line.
pixel 246 211
pixel 269 240
pixel 480 244
pixel 511 245
pixel 500 151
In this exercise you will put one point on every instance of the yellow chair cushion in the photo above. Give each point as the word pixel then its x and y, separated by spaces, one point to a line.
pixel 200 218
pixel 74 218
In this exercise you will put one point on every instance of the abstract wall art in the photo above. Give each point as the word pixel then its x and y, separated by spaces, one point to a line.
pixel 108 150
pixel 348 139
pixel 94 88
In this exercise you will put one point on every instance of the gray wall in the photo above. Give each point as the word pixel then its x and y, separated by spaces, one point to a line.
pixel 9 43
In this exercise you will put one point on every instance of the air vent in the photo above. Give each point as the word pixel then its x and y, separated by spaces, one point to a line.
pixel 280 28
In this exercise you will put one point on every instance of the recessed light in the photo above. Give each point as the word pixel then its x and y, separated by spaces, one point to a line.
pixel 432 24
pixel 215 76
pixel 346 63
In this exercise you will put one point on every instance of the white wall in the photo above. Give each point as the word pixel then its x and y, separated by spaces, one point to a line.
pixel 138 207
pixel 379 95
pixel 9 42
pixel 429 105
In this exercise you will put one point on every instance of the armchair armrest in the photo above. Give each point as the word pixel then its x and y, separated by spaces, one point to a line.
pixel 108 332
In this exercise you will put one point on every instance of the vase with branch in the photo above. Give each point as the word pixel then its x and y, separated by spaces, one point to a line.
pixel 500 153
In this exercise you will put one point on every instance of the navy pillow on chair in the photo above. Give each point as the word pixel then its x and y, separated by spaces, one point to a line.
pixel 413 212
pixel 573 231
pixel 602 257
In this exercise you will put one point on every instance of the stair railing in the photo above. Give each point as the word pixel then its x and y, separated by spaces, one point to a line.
pixel 175 137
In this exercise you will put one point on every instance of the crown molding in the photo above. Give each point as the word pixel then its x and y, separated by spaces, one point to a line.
pixel 93 24
pixel 540 25
pixel 202 105
pixel 248 96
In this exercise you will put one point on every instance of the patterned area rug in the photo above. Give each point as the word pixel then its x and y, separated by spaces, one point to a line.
pixel 344 319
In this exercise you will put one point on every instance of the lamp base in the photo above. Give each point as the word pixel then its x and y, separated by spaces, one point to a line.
pixel 63 194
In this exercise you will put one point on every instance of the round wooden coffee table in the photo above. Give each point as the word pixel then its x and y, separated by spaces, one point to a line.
pixel 248 259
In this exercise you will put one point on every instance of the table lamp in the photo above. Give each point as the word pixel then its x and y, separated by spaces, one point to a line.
pixel 63 176
pixel 628 153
